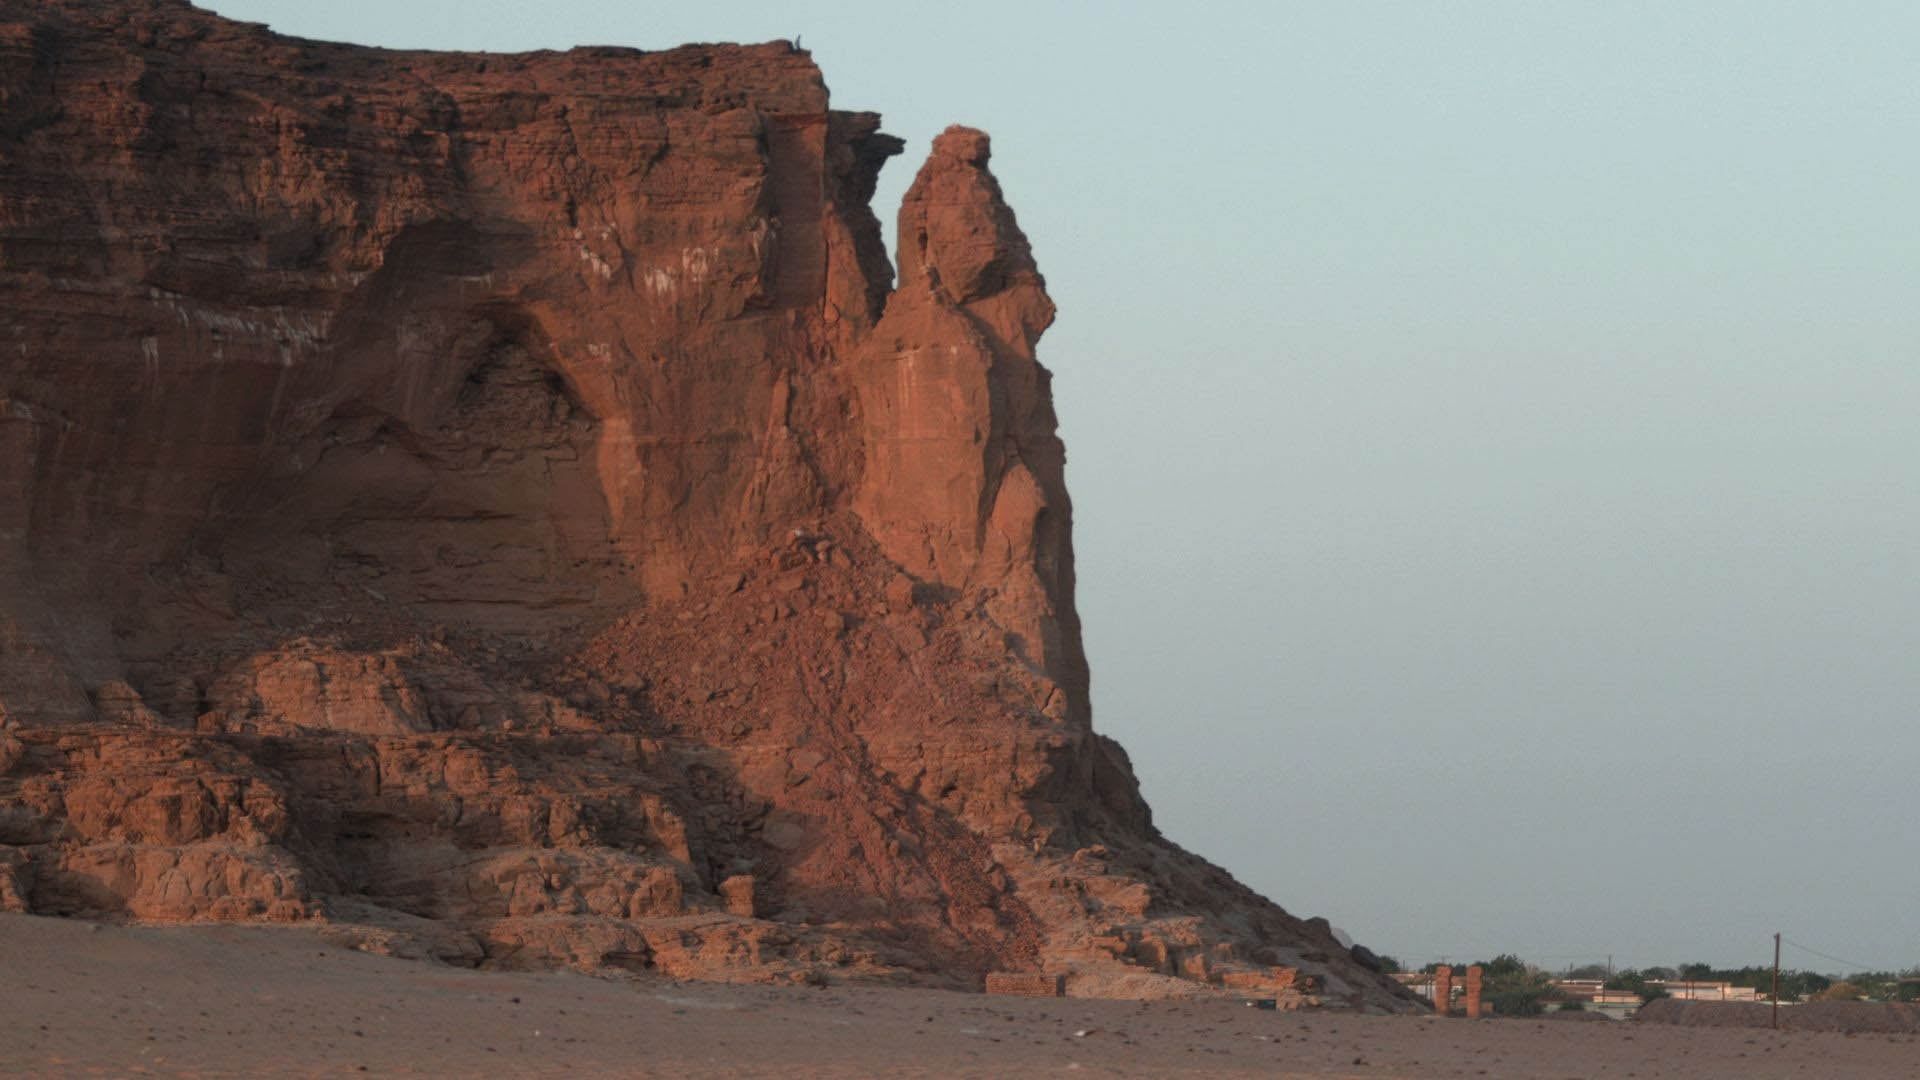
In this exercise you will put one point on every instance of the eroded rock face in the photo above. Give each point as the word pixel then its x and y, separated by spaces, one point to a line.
pixel 503 505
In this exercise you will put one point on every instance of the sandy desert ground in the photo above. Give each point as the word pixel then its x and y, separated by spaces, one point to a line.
pixel 81 1000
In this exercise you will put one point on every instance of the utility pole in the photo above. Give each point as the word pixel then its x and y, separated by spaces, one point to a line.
pixel 1776 982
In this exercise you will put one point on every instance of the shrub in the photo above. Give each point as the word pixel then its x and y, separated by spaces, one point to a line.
pixel 1840 991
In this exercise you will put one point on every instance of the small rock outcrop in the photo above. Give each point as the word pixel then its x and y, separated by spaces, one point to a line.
pixel 505 508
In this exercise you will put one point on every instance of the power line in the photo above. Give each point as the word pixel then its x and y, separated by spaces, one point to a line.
pixel 1852 965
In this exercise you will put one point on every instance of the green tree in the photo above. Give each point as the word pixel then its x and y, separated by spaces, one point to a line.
pixel 1502 966
pixel 1636 982
pixel 1514 987
pixel 1800 985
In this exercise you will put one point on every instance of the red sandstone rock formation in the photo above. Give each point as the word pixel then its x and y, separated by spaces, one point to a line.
pixel 503 504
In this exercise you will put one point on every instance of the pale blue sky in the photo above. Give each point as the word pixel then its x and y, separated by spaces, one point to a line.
pixel 1492 431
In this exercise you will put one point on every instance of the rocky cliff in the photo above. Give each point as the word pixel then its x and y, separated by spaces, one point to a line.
pixel 503 506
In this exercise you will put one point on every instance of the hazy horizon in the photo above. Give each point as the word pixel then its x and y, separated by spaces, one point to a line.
pixel 1489 430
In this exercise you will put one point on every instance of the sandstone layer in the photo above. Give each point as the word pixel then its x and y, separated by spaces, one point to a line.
pixel 505 506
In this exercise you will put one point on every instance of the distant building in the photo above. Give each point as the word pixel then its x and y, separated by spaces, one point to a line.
pixel 1690 990
pixel 1580 989
pixel 1421 982
pixel 1593 995
pixel 1617 1004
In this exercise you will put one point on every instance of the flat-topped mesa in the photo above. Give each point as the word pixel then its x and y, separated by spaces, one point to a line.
pixel 504 506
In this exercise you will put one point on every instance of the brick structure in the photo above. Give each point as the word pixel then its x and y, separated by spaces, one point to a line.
pixel 1026 984
pixel 1473 992
pixel 1443 990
